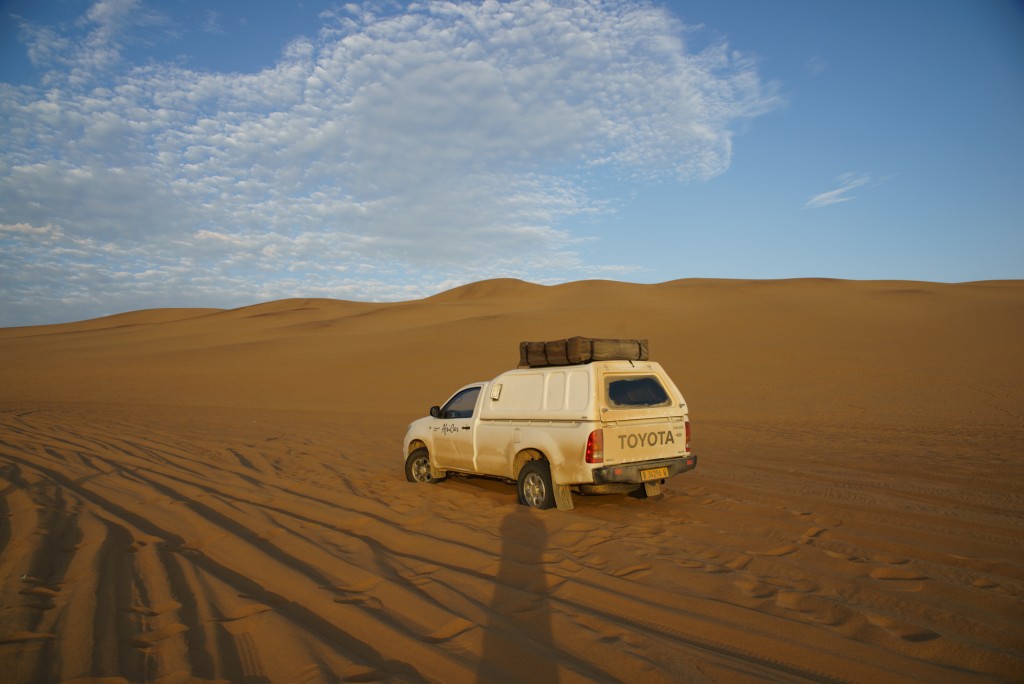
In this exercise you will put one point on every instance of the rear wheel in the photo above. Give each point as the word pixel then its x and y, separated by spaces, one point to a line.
pixel 417 467
pixel 534 485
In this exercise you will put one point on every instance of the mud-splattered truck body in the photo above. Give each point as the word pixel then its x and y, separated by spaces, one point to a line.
pixel 592 428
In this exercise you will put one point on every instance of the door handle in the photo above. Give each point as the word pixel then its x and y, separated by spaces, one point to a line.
pixel 465 427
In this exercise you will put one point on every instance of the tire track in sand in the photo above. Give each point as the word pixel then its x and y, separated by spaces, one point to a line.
pixel 297 557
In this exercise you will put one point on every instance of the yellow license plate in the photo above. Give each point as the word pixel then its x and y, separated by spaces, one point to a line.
pixel 654 474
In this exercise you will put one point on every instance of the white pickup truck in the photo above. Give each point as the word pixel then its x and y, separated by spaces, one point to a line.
pixel 594 428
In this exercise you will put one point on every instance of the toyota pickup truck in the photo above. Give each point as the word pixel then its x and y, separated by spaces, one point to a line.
pixel 593 428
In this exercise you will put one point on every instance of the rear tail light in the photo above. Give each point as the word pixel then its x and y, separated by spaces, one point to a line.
pixel 595 447
pixel 687 435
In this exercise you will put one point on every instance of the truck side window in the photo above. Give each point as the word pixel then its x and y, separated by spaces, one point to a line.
pixel 462 404
pixel 642 391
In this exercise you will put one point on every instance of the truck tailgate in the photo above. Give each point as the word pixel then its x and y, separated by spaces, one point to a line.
pixel 644 440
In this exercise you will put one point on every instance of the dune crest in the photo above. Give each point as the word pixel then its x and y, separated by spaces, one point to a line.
pixel 218 494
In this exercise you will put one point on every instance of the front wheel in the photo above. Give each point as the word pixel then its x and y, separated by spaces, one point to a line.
pixel 534 485
pixel 417 467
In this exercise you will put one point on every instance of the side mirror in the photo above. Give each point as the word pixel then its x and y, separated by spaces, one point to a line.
pixel 435 411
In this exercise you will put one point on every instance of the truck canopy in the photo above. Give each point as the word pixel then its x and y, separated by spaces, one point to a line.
pixel 610 390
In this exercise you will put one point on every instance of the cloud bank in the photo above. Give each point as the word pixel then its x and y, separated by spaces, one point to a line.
pixel 388 157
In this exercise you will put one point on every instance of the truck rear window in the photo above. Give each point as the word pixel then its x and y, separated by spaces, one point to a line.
pixel 636 392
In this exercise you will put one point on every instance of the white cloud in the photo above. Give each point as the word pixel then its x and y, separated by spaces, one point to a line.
pixel 848 182
pixel 453 141
pixel 91 47
pixel 815 65
pixel 212 23
pixel 27 229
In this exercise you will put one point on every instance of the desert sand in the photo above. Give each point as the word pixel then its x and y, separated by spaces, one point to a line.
pixel 208 495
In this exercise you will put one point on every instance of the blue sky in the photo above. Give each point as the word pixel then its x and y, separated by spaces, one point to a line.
pixel 186 153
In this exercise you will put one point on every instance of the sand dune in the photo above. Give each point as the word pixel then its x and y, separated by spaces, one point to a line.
pixel 212 495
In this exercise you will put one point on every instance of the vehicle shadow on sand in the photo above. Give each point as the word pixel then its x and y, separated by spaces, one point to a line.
pixel 517 639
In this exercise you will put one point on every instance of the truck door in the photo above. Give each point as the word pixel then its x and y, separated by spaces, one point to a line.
pixel 455 430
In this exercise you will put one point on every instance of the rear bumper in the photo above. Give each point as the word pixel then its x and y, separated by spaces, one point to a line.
pixel 634 472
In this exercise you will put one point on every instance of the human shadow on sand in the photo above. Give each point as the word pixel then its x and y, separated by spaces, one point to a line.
pixel 517 641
